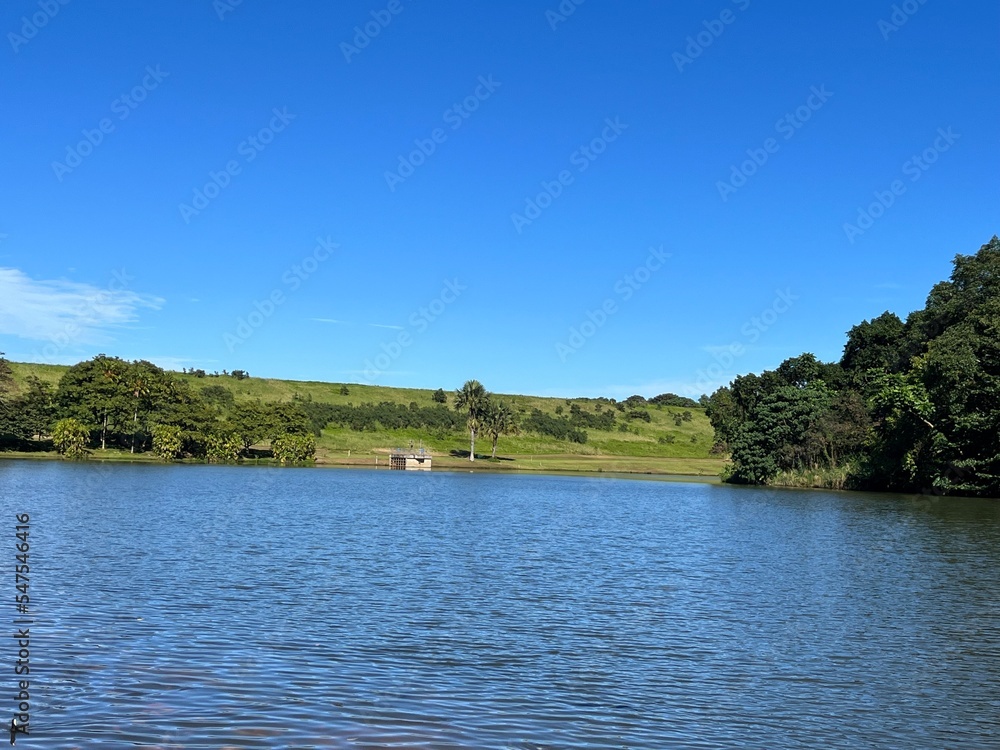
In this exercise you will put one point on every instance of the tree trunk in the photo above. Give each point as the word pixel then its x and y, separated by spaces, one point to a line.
pixel 104 431
pixel 135 418
pixel 494 448
pixel 472 445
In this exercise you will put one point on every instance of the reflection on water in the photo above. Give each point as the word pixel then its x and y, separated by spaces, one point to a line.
pixel 211 607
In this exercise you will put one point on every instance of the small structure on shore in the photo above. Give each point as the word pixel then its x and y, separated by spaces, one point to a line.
pixel 419 460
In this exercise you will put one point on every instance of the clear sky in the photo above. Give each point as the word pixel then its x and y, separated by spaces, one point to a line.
pixel 417 193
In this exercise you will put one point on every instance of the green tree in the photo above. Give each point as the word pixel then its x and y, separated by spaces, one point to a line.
pixel 70 437
pixel 94 393
pixel 875 344
pixel 472 399
pixel 439 396
pixel 499 419
pixel 219 396
pixel 253 422
pixel 140 388
pixel 36 407
pixel 773 437
pixel 8 421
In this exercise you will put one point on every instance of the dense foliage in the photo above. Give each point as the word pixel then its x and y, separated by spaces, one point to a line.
pixel 912 406
pixel 107 402
pixel 561 428
pixel 384 415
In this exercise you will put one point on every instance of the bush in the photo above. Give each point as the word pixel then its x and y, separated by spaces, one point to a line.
pixel 167 441
pixel 672 399
pixel 294 449
pixel 560 428
pixel 221 449
pixel 218 395
pixel 440 397
pixel 70 437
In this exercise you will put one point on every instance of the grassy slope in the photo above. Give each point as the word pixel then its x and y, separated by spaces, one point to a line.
pixel 637 450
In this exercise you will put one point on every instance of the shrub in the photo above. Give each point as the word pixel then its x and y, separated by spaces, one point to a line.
pixel 222 449
pixel 294 449
pixel 70 437
pixel 167 441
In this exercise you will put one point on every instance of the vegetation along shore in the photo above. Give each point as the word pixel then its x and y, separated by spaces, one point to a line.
pixel 911 406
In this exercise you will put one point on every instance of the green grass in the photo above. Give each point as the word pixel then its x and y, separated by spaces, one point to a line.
pixel 643 448
pixel 45 373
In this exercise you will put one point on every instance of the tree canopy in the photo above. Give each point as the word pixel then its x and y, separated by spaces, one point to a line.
pixel 911 406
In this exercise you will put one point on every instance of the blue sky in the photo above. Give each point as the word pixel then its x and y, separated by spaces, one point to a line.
pixel 562 199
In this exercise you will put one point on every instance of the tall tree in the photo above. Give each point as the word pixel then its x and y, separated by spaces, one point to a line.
pixel 499 419
pixel 7 426
pixel 36 407
pixel 93 393
pixel 472 399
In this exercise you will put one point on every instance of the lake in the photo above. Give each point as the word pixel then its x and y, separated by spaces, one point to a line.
pixel 249 607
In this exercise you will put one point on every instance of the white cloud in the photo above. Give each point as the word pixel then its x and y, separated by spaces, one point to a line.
pixel 47 310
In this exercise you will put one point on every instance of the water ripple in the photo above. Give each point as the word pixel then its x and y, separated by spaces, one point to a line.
pixel 210 607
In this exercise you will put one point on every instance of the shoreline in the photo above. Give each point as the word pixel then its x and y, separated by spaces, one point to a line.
pixel 568 465
pixel 481 467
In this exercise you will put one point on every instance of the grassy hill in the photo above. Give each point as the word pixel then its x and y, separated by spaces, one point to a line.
pixel 657 446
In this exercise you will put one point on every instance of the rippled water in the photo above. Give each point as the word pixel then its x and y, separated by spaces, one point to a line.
pixel 210 607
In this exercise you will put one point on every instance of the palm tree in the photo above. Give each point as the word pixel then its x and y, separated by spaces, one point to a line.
pixel 473 399
pixel 140 390
pixel 499 420
pixel 109 367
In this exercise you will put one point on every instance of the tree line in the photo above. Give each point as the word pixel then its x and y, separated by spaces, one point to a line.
pixel 107 402
pixel 110 403
pixel 912 406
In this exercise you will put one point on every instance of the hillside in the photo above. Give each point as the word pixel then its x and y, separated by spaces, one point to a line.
pixel 669 442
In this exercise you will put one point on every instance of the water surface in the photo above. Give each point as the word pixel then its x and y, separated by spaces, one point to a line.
pixel 210 607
